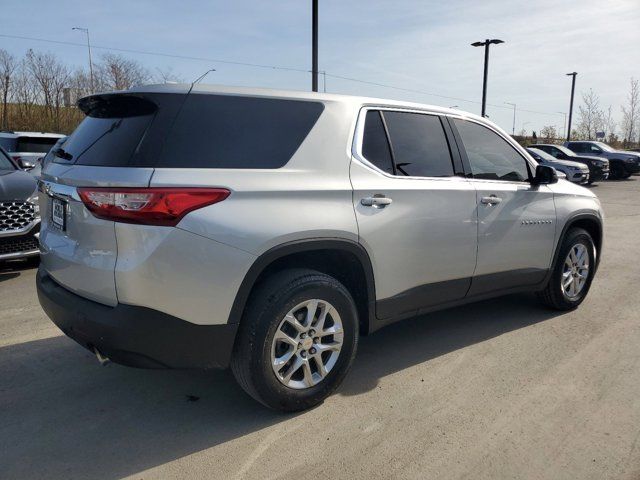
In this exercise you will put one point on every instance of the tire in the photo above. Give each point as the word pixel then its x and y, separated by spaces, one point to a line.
pixel 617 171
pixel 256 350
pixel 554 295
pixel 626 175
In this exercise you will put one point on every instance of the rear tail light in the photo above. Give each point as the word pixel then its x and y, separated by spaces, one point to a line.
pixel 148 206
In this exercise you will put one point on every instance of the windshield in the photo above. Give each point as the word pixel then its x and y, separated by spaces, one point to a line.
pixel 9 144
pixel 604 147
pixel 5 162
pixel 566 151
pixel 542 154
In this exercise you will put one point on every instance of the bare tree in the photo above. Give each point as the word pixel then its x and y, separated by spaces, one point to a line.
pixel 631 113
pixel 548 132
pixel 116 72
pixel 167 75
pixel 608 123
pixel 52 77
pixel 8 65
pixel 24 95
pixel 590 115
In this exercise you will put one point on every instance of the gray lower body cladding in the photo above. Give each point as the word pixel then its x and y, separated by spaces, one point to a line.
pixel 135 336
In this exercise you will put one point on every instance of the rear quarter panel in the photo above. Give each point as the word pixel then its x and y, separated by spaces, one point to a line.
pixel 310 197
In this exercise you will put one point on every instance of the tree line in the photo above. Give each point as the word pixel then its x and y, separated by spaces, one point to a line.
pixel 39 91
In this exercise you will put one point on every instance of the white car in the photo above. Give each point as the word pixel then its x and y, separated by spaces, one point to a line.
pixel 27 147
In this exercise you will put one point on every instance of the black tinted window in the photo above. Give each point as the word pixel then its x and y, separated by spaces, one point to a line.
pixel 420 148
pixel 578 147
pixel 217 131
pixel 490 156
pixel 375 146
pixel 110 133
pixel 35 144
pixel 106 142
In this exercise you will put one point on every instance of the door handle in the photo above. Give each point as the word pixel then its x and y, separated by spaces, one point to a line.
pixel 377 201
pixel 490 200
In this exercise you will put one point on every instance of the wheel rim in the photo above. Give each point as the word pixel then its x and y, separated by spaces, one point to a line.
pixel 575 271
pixel 307 344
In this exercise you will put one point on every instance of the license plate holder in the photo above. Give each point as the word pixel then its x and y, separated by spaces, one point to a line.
pixel 59 213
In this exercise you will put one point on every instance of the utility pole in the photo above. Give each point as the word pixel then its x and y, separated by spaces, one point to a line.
pixel 314 46
pixel 86 31
pixel 564 123
pixel 573 89
pixel 485 44
pixel 513 129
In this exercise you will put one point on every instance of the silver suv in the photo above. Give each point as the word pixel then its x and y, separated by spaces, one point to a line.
pixel 202 227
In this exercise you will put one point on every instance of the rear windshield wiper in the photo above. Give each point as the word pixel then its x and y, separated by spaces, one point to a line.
pixel 59 152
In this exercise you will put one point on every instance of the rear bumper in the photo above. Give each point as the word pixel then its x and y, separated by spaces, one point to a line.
pixel 135 336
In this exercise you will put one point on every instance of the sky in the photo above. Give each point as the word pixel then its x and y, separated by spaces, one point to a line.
pixel 420 47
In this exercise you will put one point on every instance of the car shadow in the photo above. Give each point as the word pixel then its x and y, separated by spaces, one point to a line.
pixel 420 339
pixel 8 275
pixel 63 415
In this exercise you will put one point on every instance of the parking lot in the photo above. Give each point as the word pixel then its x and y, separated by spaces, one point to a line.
pixel 503 388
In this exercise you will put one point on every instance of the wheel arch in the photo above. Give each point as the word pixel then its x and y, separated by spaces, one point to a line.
pixel 343 259
pixel 589 222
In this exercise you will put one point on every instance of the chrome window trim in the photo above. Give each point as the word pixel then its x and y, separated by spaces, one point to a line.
pixel 356 147
pixel 529 160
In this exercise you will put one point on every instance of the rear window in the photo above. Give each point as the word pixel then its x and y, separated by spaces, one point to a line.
pixel 220 131
pixel 110 133
pixel 35 144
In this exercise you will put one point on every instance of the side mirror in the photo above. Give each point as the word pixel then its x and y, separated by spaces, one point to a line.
pixel 545 175
pixel 26 164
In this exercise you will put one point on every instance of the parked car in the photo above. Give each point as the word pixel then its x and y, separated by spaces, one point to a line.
pixel 623 164
pixel 27 147
pixel 575 172
pixel 19 211
pixel 598 167
pixel 267 230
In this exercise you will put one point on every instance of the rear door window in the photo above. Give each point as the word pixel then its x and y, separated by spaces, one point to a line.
pixel 375 146
pixel 225 131
pixel 419 144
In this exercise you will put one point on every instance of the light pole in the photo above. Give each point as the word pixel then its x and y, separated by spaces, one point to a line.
pixel 513 129
pixel 86 31
pixel 485 44
pixel 573 89
pixel 314 46
pixel 564 124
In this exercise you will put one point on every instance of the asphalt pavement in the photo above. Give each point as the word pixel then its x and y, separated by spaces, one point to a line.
pixel 499 389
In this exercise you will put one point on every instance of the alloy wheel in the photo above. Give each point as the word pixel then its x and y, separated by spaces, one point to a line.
pixel 307 344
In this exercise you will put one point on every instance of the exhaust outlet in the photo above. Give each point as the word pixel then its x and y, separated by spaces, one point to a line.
pixel 101 358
